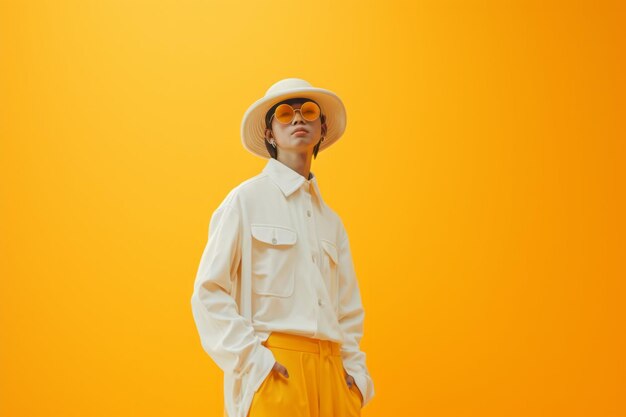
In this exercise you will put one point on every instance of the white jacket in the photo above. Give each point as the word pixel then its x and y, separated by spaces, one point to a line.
pixel 277 259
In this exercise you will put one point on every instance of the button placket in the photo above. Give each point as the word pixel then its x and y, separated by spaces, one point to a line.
pixel 311 225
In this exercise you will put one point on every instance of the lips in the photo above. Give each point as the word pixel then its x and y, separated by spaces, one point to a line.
pixel 300 129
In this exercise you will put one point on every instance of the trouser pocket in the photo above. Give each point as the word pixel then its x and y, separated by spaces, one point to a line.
pixel 278 395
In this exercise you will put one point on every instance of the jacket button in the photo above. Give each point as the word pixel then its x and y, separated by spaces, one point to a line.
pixel 308 213
pixel 274 241
pixel 319 302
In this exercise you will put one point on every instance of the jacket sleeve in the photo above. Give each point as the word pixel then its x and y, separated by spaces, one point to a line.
pixel 351 315
pixel 226 336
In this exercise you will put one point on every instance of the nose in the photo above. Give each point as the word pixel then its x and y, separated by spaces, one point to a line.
pixel 298 117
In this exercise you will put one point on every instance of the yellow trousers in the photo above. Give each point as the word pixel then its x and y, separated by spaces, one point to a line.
pixel 316 386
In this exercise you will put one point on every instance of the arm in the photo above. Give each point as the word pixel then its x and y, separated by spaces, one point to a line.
pixel 227 337
pixel 351 315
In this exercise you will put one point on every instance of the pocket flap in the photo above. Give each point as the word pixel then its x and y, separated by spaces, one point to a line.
pixel 330 248
pixel 273 234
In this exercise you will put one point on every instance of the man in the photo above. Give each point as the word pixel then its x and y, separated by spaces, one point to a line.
pixel 276 300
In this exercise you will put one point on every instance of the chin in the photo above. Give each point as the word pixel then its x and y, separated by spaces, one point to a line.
pixel 300 142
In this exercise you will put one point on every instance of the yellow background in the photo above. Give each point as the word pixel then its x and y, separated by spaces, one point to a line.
pixel 481 180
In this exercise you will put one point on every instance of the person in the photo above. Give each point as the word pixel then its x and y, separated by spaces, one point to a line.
pixel 276 300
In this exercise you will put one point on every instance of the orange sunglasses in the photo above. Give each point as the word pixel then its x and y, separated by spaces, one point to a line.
pixel 285 113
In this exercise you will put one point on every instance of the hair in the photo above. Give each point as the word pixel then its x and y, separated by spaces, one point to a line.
pixel 274 151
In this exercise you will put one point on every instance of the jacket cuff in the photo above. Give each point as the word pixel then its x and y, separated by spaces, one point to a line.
pixel 262 364
pixel 361 383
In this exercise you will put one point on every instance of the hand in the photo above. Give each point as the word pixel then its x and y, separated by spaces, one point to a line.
pixel 350 382
pixel 349 378
pixel 280 369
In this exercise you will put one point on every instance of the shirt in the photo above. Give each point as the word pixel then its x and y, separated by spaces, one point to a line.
pixel 276 228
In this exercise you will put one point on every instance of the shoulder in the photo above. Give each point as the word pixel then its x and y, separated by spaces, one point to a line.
pixel 339 224
pixel 333 220
pixel 247 190
pixel 332 215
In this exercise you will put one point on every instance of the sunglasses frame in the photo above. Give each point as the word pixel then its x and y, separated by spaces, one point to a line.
pixel 294 112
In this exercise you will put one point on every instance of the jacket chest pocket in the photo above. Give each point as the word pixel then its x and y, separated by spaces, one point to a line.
pixel 273 259
pixel 330 269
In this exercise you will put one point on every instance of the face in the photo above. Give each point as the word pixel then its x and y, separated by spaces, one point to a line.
pixel 288 139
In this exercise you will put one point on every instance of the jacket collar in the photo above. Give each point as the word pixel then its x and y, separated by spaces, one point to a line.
pixel 289 180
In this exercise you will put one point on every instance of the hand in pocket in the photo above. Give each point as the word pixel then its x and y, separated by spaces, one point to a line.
pixel 278 367
pixel 352 384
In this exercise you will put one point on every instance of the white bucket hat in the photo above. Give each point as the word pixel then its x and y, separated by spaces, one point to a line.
pixel 253 123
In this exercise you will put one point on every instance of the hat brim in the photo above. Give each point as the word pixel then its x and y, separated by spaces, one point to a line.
pixel 253 123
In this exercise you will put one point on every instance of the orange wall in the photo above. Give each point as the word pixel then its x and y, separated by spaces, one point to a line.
pixel 481 180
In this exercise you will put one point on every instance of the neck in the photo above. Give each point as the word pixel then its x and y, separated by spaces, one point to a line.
pixel 301 163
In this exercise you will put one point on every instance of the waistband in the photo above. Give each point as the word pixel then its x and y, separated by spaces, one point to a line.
pixel 302 343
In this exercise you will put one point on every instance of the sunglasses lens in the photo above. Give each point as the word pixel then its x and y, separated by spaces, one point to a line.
pixel 284 113
pixel 310 111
